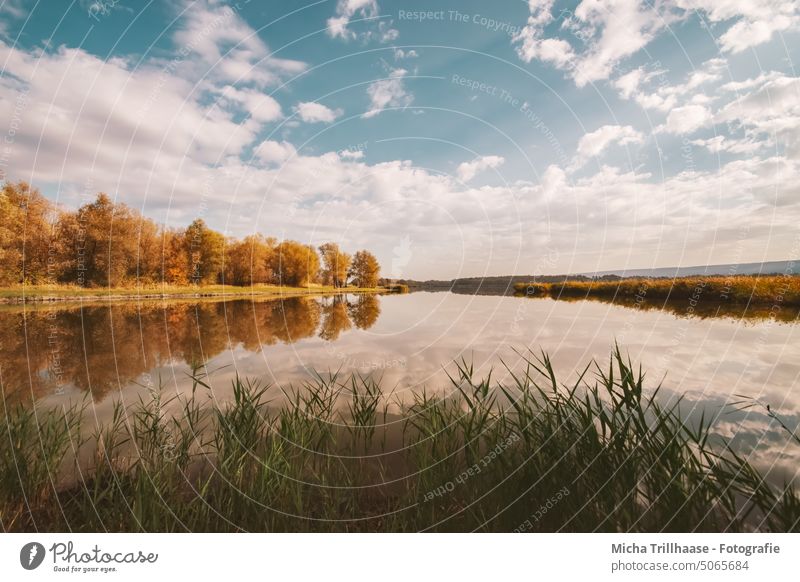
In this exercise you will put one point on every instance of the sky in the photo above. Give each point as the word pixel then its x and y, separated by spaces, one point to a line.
pixel 453 138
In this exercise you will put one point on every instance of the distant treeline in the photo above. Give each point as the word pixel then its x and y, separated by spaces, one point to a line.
pixel 104 243
pixel 770 290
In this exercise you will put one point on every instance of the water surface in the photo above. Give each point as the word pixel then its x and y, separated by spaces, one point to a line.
pixel 119 351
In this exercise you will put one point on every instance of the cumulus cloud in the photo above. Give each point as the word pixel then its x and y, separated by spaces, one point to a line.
pixel 347 10
pixel 313 112
pixel 594 143
pixel 648 86
pixel 687 119
pixel 273 152
pixel 596 37
pixel 719 144
pixel 609 32
pixel 767 106
pixel 466 171
pixel 224 48
pixel 389 92
pixel 258 105
pixel 351 154
pixel 754 22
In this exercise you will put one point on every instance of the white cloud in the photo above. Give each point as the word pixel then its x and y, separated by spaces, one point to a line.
pixel 531 44
pixel 400 54
pixel 347 10
pixel 754 21
pixel 224 48
pixel 637 84
pixel 273 152
pixel 771 108
pixel 594 143
pixel 687 119
pixel 609 32
pixel 260 106
pixel 598 36
pixel 468 170
pixel 389 92
pixel 351 154
pixel 719 144
pixel 313 112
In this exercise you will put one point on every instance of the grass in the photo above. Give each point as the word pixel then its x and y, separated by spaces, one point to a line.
pixel 68 292
pixel 530 454
pixel 740 289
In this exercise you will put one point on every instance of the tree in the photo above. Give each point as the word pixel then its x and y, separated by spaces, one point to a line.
pixel 27 254
pixel 147 263
pixel 249 261
pixel 205 250
pixel 295 264
pixel 335 265
pixel 365 269
pixel 99 244
pixel 174 259
pixel 110 244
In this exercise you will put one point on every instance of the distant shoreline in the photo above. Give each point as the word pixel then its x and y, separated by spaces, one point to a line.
pixel 775 290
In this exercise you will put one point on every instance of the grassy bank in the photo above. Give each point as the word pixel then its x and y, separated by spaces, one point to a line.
pixel 45 293
pixel 528 455
pixel 743 289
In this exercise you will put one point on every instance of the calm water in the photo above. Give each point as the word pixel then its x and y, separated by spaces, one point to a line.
pixel 117 351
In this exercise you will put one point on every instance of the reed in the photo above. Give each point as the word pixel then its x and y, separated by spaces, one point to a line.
pixel 776 290
pixel 529 453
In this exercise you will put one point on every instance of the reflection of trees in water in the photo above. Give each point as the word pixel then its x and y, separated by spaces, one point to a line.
pixel 340 313
pixel 364 311
pixel 100 348
pixel 335 319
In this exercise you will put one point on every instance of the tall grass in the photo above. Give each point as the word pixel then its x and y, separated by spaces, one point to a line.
pixel 527 454
pixel 742 289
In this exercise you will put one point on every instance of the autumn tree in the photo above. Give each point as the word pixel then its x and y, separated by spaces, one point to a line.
pixel 335 265
pixel 295 264
pixel 249 261
pixel 100 243
pixel 365 269
pixel 26 229
pixel 104 243
pixel 147 263
pixel 205 252
pixel 174 258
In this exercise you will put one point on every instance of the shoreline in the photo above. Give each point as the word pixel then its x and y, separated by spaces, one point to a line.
pixel 45 295
pixel 767 290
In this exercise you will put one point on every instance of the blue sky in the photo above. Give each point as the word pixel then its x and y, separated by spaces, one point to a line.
pixel 453 138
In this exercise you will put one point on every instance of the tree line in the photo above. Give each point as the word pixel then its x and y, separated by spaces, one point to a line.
pixel 104 243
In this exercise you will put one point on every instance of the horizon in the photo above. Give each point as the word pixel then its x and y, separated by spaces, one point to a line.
pixel 465 141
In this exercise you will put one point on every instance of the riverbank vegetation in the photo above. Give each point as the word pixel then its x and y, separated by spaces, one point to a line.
pixel 104 244
pixel 775 290
pixel 527 454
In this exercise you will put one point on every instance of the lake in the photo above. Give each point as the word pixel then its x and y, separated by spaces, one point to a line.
pixel 60 354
